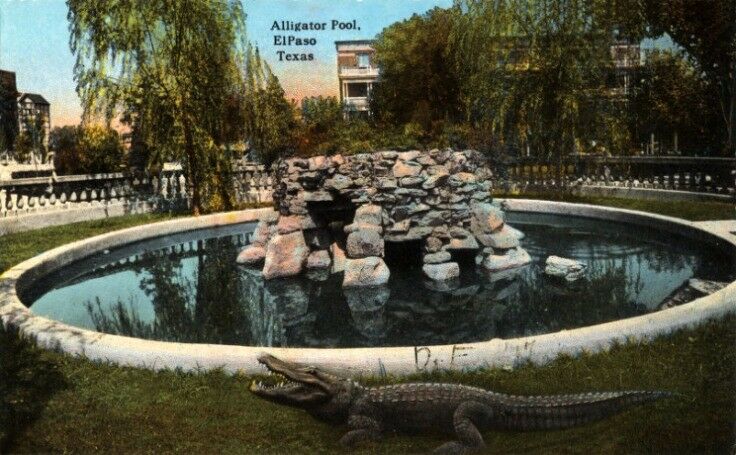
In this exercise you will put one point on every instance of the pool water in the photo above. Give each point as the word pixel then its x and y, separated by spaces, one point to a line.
pixel 188 288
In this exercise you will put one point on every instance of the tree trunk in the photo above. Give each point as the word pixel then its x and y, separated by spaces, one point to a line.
pixel 193 174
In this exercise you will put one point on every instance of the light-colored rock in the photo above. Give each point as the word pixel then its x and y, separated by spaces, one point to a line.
pixel 370 271
pixel 251 255
pixel 406 169
pixel 369 214
pixel 318 196
pixel 467 243
pixel 502 239
pixel 437 258
pixel 319 259
pixel 364 243
pixel 289 224
pixel 441 272
pixel 519 235
pixel 261 234
pixel 285 255
pixel 513 258
pixel 339 257
pixel 433 244
pixel 353 227
pixel 486 218
pixel 338 182
pixel 568 269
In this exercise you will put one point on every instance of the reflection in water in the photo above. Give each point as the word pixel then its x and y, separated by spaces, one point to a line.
pixel 198 294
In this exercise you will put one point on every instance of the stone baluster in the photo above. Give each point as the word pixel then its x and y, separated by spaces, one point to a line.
pixel 164 192
pixel 676 181
pixel 183 186
pixel 3 199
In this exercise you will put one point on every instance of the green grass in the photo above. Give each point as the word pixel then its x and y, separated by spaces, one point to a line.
pixel 50 402
pixel 693 211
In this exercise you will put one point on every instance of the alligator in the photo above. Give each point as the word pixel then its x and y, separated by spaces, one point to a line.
pixel 436 407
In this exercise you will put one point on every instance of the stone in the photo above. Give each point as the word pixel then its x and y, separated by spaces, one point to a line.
pixel 435 180
pixel 370 271
pixel 411 181
pixel 513 259
pixel 364 243
pixel 419 208
pixel 389 155
pixel 433 218
pixel 338 257
pixel 285 255
pixel 425 160
pixel 568 269
pixel 319 259
pixel 353 227
pixel 289 224
pixel 437 258
pixel 441 272
pixel 461 178
pixel 251 255
pixel 400 226
pixel 467 243
pixel 458 232
pixel 410 155
pixel 261 234
pixel 486 218
pixel 386 183
pixel 692 289
pixel 406 169
pixel 519 235
pixel 318 196
pixel 433 244
pixel 502 239
pixel 369 214
pixel 338 182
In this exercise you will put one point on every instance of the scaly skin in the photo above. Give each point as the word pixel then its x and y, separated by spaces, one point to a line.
pixel 371 411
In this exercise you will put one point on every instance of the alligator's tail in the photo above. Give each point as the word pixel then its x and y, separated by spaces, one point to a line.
pixel 564 411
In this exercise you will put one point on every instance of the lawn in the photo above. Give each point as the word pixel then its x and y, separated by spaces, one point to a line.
pixel 50 402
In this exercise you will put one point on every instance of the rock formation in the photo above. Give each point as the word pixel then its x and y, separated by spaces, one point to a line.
pixel 338 212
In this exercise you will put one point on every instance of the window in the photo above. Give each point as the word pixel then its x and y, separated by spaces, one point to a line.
pixel 363 61
pixel 357 90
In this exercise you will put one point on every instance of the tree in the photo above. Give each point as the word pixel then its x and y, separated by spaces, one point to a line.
pixel 321 118
pixel 86 149
pixel 535 72
pixel 270 123
pixel 171 66
pixel 64 141
pixel 673 102
pixel 418 83
pixel 707 32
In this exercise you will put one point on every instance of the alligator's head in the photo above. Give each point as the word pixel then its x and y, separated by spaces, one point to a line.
pixel 320 393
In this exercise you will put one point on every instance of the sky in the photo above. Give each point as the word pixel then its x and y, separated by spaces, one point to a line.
pixel 34 43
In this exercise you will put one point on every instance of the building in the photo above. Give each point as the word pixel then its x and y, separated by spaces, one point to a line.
pixel 627 58
pixel 31 108
pixel 356 72
pixel 8 110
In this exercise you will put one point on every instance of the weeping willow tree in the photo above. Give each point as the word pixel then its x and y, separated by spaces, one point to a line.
pixel 172 67
pixel 270 122
pixel 536 72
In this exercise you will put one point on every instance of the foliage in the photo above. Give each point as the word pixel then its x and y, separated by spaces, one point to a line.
pixel 707 32
pixel 30 138
pixel 419 84
pixel 671 98
pixel 172 67
pixel 536 72
pixel 270 120
pixel 86 149
pixel 8 119
pixel 321 121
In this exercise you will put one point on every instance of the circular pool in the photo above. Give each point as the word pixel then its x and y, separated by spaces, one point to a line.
pixel 171 295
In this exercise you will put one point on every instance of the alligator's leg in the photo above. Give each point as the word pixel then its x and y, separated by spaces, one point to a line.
pixel 362 428
pixel 466 417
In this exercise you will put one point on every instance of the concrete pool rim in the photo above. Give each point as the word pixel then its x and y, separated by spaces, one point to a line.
pixel 506 353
